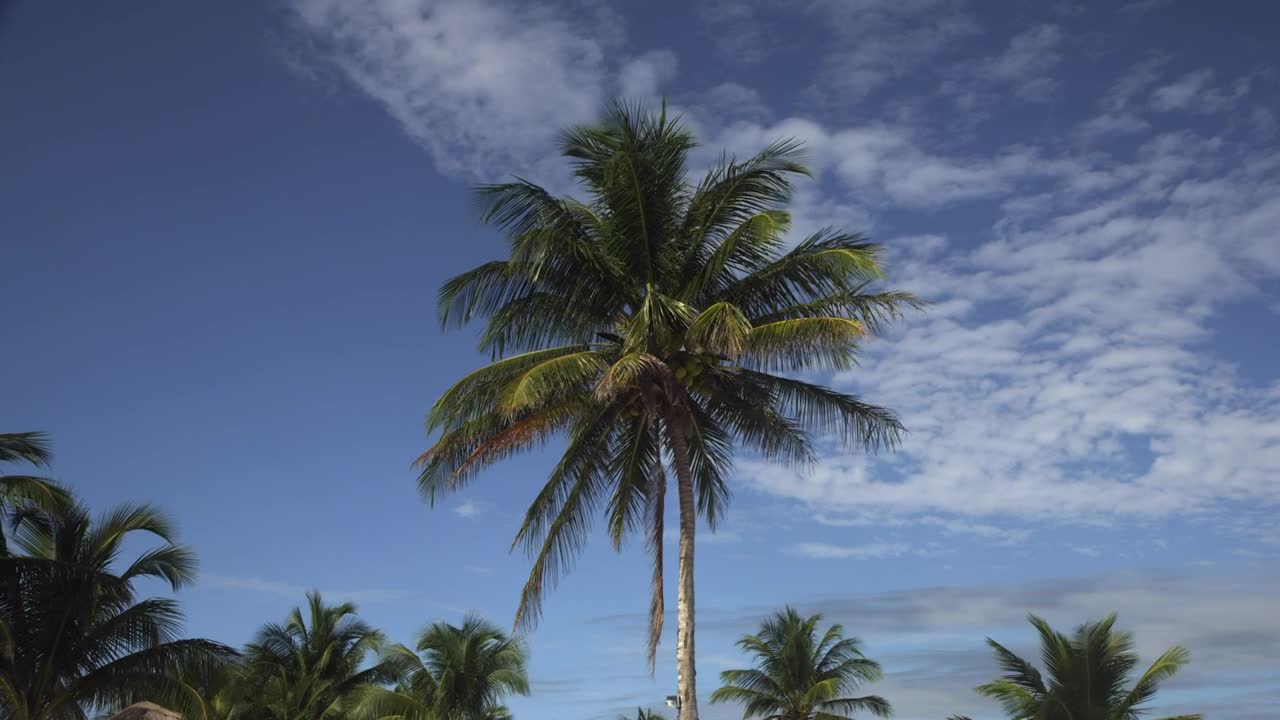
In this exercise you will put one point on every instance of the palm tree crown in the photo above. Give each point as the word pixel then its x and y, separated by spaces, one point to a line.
pixel 73 634
pixel 1088 676
pixel 313 666
pixel 800 674
pixel 458 673
pixel 654 325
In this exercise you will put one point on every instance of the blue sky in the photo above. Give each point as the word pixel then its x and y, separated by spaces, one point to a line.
pixel 224 225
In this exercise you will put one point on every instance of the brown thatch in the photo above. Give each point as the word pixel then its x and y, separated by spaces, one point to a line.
pixel 146 711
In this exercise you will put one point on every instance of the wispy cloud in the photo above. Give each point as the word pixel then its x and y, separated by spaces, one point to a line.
pixel 1058 373
pixel 294 591
pixel 483 85
pixel 468 509
pixel 1195 92
pixel 1025 68
pixel 930 639
pixel 860 46
pixel 1086 550
pixel 871 551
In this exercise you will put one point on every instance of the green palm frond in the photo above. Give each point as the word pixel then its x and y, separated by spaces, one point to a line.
pixel 1087 675
pixel 32 447
pixel 721 329
pixel 556 525
pixel 804 343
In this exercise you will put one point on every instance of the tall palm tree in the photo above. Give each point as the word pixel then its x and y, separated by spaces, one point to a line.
pixel 1088 676
pixel 73 634
pixel 20 490
pixel 654 324
pixel 314 666
pixel 801 675
pixel 458 673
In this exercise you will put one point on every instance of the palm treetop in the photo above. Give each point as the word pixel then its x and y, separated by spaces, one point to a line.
pixel 110 648
pixel 458 672
pixel 1086 675
pixel 801 673
pixel 325 640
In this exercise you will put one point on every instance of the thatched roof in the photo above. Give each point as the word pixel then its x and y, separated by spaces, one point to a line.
pixel 146 711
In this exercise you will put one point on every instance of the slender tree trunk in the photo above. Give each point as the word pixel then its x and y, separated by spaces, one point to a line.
pixel 686 681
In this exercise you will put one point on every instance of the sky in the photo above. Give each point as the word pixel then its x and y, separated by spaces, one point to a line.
pixel 224 225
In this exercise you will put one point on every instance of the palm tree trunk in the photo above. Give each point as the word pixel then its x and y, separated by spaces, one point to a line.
pixel 686 681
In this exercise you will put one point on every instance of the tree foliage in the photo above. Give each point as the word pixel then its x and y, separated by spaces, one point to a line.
pixel 315 665
pixel 74 636
pixel 801 673
pixel 457 673
pixel 654 325
pixel 1086 676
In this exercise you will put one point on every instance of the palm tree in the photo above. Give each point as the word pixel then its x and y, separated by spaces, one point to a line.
pixel 458 673
pixel 73 634
pixel 654 325
pixel 799 675
pixel 19 490
pixel 314 667
pixel 1088 676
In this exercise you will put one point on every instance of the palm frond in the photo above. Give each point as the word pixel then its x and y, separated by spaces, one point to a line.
pixel 32 447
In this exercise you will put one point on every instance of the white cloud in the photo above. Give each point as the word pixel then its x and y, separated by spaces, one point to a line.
pixel 1086 550
pixel 1195 92
pixel 483 85
pixel 992 534
pixel 929 639
pixel 642 77
pixel 873 41
pixel 468 509
pixel 294 591
pixel 1063 371
pixel 888 163
pixel 876 550
pixel 1023 67
pixel 1181 94
pixel 1120 113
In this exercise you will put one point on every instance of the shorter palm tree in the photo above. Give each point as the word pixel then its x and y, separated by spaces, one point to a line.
pixel 73 635
pixel 458 673
pixel 314 667
pixel 801 675
pixel 1088 676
